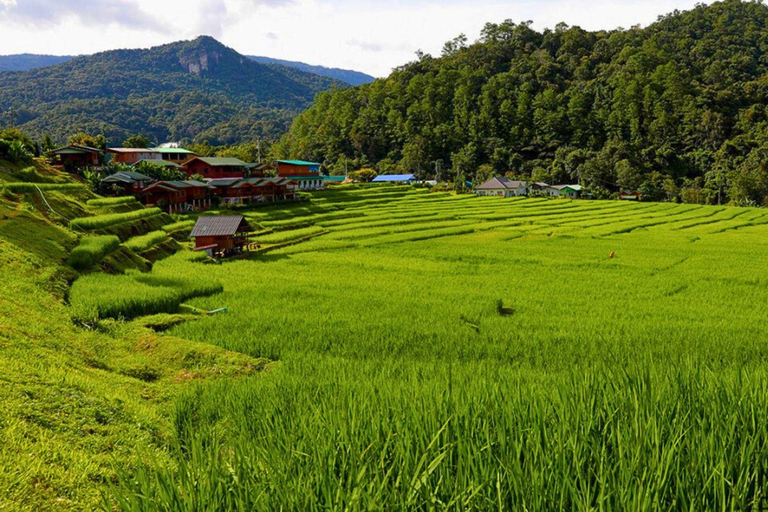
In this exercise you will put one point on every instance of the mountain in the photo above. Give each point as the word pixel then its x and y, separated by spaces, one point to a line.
pixel 678 108
pixel 343 75
pixel 194 90
pixel 27 61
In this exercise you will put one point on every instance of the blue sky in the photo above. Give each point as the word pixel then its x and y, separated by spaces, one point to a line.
pixel 370 36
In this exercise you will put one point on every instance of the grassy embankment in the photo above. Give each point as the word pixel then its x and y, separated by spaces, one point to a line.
pixel 78 404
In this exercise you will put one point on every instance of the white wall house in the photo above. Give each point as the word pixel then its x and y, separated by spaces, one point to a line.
pixel 502 187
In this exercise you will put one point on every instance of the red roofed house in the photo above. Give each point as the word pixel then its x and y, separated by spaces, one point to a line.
pixel 215 168
pixel 223 235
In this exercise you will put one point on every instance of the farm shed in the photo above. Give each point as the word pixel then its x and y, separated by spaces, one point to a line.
pixel 502 187
pixel 214 168
pixel 395 178
pixel 129 181
pixel 221 235
pixel 76 157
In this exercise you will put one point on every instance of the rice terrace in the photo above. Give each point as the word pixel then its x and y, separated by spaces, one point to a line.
pixel 525 269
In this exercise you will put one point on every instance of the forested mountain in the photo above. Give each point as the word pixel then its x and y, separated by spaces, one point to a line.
pixel 194 90
pixel 678 108
pixel 27 61
pixel 344 75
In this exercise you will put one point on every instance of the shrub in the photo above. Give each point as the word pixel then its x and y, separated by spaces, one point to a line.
pixel 105 221
pixel 144 242
pixel 91 250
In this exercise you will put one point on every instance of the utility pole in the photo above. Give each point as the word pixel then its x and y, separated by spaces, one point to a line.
pixel 258 148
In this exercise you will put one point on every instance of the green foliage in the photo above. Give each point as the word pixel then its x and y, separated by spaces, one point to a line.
pixel 685 97
pixel 364 175
pixel 144 242
pixel 106 221
pixel 137 141
pixel 159 172
pixel 16 146
pixel 91 250
pixel 91 141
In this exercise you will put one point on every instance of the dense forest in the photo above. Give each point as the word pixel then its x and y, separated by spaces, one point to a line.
pixel 677 109
pixel 195 91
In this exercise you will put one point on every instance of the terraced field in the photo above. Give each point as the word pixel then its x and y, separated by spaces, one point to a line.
pixel 454 352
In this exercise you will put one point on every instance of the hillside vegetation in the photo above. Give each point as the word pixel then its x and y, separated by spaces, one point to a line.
pixel 193 90
pixel 79 404
pixel 677 108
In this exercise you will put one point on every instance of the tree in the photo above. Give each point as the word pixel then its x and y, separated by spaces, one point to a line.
pixel 364 175
pixel 137 141
pixel 91 141
pixel 47 144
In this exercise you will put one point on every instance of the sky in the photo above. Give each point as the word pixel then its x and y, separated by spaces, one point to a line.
pixel 364 35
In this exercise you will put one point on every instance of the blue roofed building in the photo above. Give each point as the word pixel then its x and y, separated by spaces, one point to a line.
pixel 395 178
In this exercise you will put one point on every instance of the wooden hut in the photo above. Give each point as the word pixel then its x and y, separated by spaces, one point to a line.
pixel 221 235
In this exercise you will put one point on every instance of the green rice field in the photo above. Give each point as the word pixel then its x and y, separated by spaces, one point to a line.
pixel 436 351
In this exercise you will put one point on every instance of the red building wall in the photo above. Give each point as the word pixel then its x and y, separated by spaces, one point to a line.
pixel 208 171
pixel 294 170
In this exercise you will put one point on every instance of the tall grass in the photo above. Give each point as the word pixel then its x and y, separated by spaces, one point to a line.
pixel 625 371
pixel 91 250
pixel 113 219
pixel 98 296
pixel 111 201
pixel 144 242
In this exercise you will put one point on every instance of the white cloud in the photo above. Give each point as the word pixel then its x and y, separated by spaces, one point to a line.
pixel 368 36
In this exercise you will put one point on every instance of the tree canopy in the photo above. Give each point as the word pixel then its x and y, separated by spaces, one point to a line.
pixel 678 109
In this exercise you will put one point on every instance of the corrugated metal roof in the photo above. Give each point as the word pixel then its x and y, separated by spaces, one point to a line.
pixel 195 183
pixel 174 151
pixel 393 177
pixel 126 177
pixel 501 183
pixel 220 226
pixel 74 148
pixel 131 150
pixel 298 162
pixel 223 162
pixel 223 182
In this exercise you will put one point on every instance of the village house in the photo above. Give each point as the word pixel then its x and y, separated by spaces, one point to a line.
pixel 250 190
pixel 569 191
pixel 307 174
pixel 629 195
pixel 221 236
pixel 395 178
pixel 215 168
pixel 177 196
pixel 76 157
pixel 132 155
pixel 128 182
pixel 502 187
